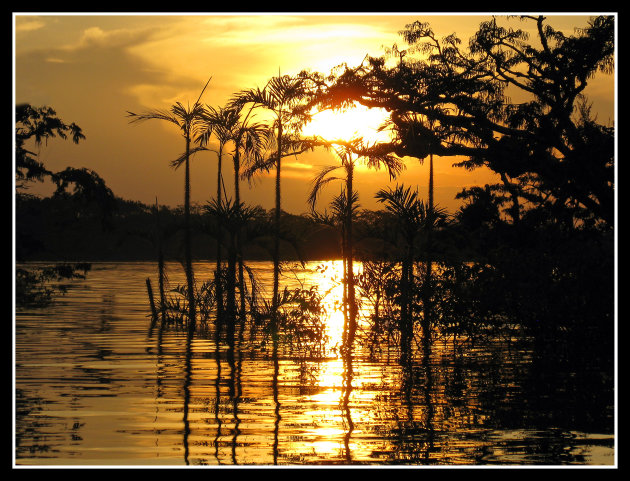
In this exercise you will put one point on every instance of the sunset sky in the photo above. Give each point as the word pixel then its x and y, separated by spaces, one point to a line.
pixel 93 68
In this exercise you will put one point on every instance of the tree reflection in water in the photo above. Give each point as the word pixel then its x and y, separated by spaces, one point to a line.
pixel 413 441
pixel 449 405
pixel 276 401
pixel 346 391
pixel 217 391
pixel 186 401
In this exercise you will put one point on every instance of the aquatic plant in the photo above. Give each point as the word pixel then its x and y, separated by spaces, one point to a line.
pixel 412 217
pixel 35 287
pixel 280 96
pixel 297 321
pixel 188 120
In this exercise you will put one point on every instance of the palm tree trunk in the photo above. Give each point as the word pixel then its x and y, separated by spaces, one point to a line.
pixel 426 292
pixel 217 274
pixel 161 273
pixel 239 240
pixel 187 242
pixel 349 254
pixel 431 182
pixel 276 237
pixel 344 261
pixel 231 287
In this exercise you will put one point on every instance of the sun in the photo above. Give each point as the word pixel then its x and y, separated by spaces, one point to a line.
pixel 356 122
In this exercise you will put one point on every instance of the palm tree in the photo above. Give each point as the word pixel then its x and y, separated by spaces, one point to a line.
pixel 234 218
pixel 281 95
pixel 412 216
pixel 348 154
pixel 345 204
pixel 421 134
pixel 344 208
pixel 188 120
pixel 249 141
pixel 220 124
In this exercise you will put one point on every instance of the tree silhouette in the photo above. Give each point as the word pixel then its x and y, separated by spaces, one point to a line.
pixel 348 153
pixel 218 123
pixel 412 217
pixel 37 124
pixel 453 101
pixel 189 121
pixel 234 218
pixel 280 96
pixel 89 191
pixel 249 142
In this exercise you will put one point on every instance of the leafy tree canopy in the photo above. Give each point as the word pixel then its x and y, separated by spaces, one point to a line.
pixel 39 124
pixel 448 100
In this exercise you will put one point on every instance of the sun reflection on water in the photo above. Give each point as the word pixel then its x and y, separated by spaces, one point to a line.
pixel 109 394
pixel 330 285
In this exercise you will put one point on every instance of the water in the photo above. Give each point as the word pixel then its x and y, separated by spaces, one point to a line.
pixel 92 388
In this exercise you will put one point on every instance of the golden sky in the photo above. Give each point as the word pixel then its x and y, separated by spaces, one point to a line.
pixel 93 68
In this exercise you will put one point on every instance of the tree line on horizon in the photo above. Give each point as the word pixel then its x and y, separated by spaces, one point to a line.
pixel 540 241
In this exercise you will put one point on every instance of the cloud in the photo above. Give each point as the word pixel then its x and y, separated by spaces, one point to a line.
pixel 297 165
pixel 122 37
pixel 283 30
pixel 28 25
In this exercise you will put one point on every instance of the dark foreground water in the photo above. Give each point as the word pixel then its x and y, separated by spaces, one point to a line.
pixel 93 388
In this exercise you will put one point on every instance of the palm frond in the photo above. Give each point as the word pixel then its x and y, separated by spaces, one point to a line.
pixel 176 163
pixel 281 94
pixel 203 90
pixel 341 206
pixel 319 182
pixel 410 212
pixel 222 122
pixel 250 96
pixel 156 114
pixel 254 137
pixel 260 165
pixel 293 145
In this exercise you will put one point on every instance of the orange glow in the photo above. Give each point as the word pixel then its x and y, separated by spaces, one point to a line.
pixel 358 122
pixel 139 62
pixel 331 285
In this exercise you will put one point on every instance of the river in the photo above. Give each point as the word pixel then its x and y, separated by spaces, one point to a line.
pixel 94 388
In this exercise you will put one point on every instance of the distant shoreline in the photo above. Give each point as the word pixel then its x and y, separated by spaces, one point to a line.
pixel 145 261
